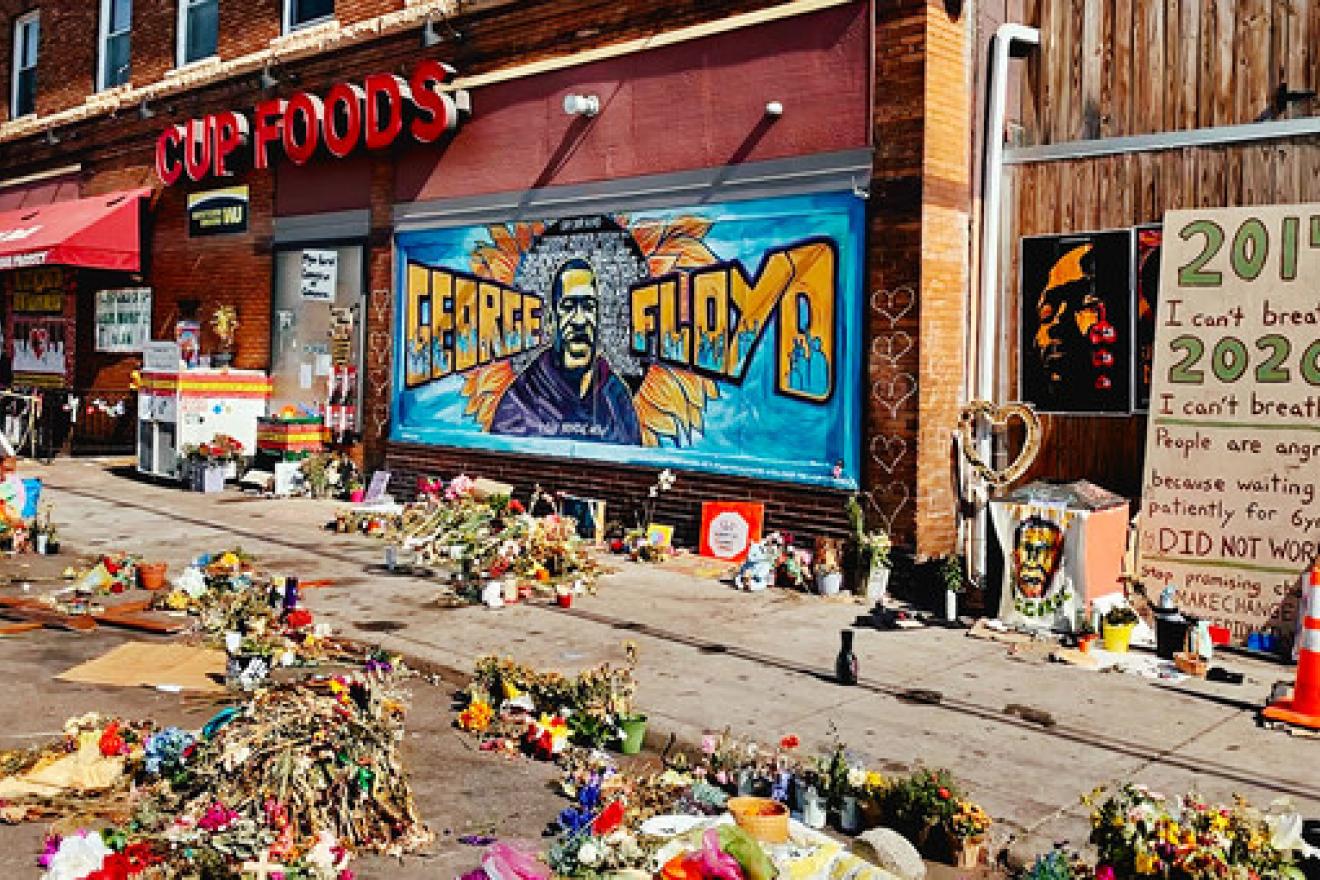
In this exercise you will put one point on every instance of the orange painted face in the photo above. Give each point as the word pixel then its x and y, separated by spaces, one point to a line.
pixel 1036 557
pixel 1073 331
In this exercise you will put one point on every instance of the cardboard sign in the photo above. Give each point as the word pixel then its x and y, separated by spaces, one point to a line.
pixel 320 274
pixel 729 528
pixel 380 481
pixel 1230 514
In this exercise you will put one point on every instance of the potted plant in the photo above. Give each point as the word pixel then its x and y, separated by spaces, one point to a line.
pixel 869 551
pixel 1119 623
pixel 967 828
pixel 224 321
pixel 920 804
pixel 827 565
pixel 1086 636
pixel 622 690
pixel 955 583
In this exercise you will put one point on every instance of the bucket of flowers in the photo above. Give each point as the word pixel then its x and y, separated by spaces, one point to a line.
pixel 967 828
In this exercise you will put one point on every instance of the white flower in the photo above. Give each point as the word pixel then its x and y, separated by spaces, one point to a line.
pixel 235 757
pixel 857 777
pixel 589 854
pixel 78 856
pixel 322 856
pixel 1286 834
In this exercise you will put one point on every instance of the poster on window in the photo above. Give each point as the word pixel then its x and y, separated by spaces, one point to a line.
pixel 721 337
pixel 1076 346
pixel 320 274
pixel 39 345
pixel 123 319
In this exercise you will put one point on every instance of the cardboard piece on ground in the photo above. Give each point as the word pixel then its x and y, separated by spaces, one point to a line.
pixel 137 664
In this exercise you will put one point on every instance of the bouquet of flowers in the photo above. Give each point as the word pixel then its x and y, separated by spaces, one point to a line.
pixel 1139 833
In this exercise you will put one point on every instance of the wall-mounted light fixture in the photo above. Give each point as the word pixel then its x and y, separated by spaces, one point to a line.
pixel 145 111
pixel 581 105
pixel 774 109
pixel 268 79
pixel 51 138
pixel 432 37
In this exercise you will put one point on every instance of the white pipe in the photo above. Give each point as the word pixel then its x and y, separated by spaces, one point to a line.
pixel 988 287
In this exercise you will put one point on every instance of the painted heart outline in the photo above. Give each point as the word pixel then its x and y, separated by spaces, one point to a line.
pixel 999 417
pixel 893 305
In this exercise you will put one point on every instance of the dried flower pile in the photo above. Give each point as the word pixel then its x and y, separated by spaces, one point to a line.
pixel 308 775
pixel 484 540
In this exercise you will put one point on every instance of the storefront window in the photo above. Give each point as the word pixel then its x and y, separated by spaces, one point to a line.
pixel 316 327
pixel 300 13
pixel 199 27
pixel 116 31
pixel 27 38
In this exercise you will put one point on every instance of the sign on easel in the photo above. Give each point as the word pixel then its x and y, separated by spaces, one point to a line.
pixel 380 481
pixel 1230 513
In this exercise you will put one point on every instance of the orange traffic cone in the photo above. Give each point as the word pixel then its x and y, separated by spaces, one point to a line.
pixel 1304 707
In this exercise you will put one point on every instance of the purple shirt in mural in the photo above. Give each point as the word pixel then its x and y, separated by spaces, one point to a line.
pixel 544 402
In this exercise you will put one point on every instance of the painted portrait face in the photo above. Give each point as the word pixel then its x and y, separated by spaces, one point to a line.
pixel 1036 556
pixel 577 314
pixel 1074 336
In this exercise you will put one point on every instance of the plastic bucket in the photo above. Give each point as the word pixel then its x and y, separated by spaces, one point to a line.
pixel 1116 638
pixel 151 575
pixel 1171 634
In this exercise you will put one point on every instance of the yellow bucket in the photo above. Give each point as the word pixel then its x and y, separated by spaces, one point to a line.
pixel 1116 638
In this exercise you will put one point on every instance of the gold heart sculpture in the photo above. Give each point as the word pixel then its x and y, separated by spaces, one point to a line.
pixel 999 417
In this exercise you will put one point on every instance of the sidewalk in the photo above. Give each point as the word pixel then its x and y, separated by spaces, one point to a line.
pixel 761 664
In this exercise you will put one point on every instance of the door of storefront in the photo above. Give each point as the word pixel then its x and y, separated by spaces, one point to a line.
pixel 316 331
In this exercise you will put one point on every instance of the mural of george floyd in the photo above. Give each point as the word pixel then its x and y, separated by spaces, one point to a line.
pixel 724 338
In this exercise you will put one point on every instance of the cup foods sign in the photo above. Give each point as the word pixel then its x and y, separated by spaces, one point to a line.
pixel 375 113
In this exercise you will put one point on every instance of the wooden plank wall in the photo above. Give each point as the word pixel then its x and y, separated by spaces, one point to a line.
pixel 1118 191
pixel 1108 68
pixel 1118 67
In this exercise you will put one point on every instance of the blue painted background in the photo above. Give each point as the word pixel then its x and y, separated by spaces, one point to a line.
pixel 751 430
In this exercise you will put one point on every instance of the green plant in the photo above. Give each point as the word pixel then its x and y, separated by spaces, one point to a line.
pixel 951 573
pixel 871 546
pixel 1121 615
pixel 922 801
pixel 591 731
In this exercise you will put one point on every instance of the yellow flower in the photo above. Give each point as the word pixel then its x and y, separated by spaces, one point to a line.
pixel 1145 863
pixel 1171 833
pixel 1218 822
pixel 874 779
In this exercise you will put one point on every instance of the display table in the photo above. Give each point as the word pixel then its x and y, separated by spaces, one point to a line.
pixel 178 408
pixel 1063 548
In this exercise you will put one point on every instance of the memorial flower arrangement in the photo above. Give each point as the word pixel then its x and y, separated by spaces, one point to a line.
pixel 1140 833
pixel 517 708
pixel 307 775
pixel 221 449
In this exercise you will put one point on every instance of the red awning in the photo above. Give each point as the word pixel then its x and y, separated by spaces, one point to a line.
pixel 103 232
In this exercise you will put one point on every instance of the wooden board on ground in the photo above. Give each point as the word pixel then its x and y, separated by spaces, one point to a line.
pixel 148 664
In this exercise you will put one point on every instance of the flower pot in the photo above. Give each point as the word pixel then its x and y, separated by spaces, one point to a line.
pixel 950 605
pixel 1116 638
pixel 828 583
pixel 873 814
pixel 564 600
pixel 967 852
pixel 151 575
pixel 357 495
pixel 877 585
pixel 1085 642
pixel 221 359
pixel 634 733
pixel 813 808
pixel 42 542
pixel 850 817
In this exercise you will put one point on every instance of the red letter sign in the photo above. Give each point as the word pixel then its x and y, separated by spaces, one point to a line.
pixel 269 127
pixel 439 115
pixel 393 89
pixel 169 167
pixel 350 97
pixel 231 132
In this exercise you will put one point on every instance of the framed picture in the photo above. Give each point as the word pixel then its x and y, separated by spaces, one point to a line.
pixel 1075 349
pixel 123 319
pixel 659 536
pixel 1149 242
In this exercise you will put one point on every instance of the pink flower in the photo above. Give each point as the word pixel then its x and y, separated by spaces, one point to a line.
pixel 1104 872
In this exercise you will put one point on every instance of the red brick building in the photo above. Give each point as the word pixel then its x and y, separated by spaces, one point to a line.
pixel 784 188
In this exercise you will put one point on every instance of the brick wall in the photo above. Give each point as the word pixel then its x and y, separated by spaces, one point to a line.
pixel 802 510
